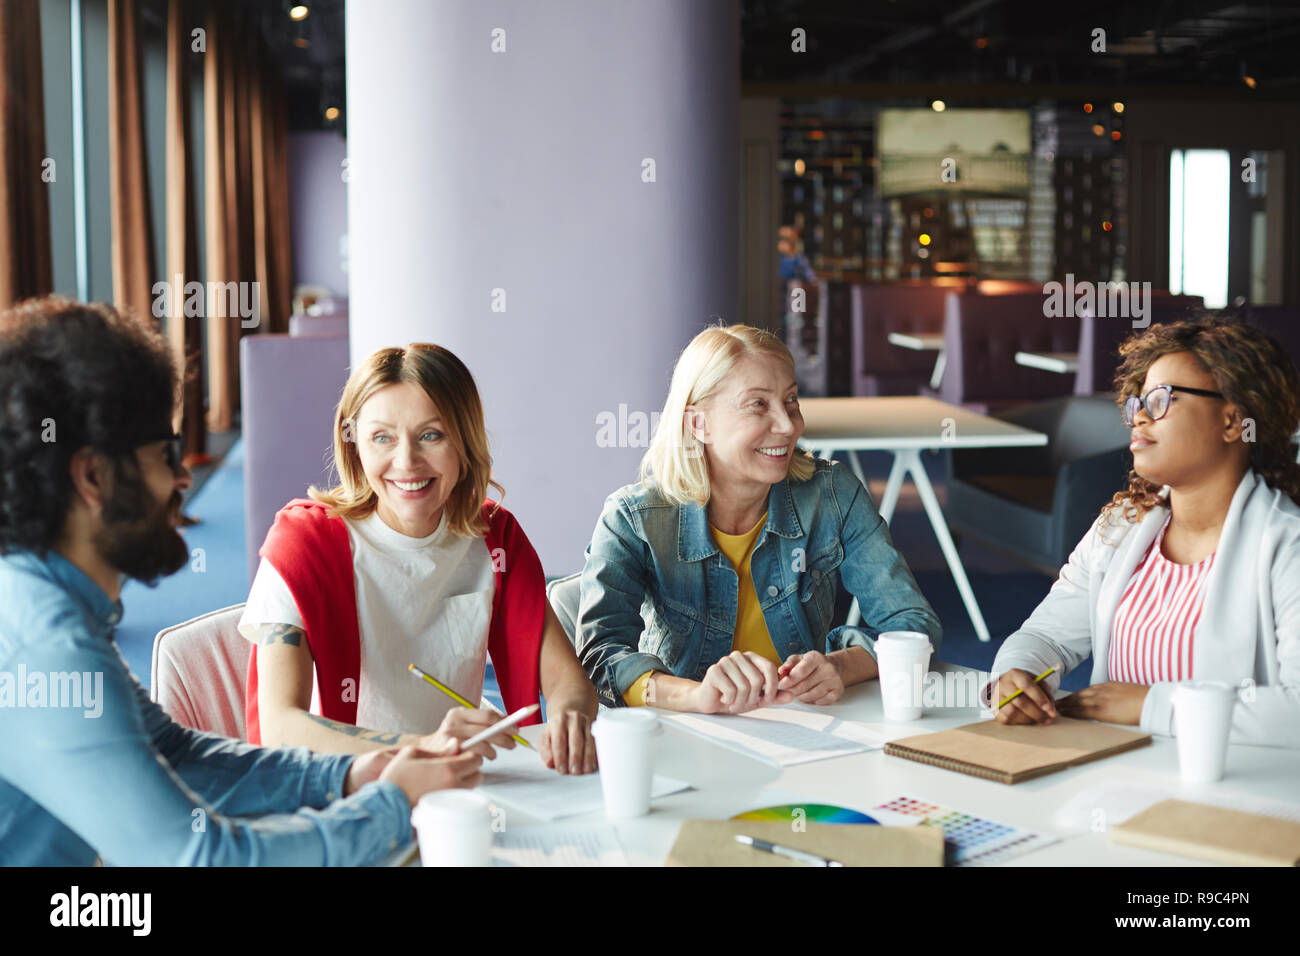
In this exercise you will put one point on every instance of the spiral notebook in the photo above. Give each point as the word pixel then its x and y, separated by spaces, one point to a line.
pixel 1012 753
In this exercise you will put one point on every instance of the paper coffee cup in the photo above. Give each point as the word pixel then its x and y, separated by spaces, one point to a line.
pixel 454 828
pixel 1202 721
pixel 623 750
pixel 903 659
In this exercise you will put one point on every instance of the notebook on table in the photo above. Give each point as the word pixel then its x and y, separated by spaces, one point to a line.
pixel 1212 833
pixel 713 843
pixel 1012 753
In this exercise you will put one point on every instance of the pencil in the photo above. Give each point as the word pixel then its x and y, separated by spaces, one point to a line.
pixel 1022 690
pixel 455 696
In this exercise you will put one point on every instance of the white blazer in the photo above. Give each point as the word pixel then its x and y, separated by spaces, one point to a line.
pixel 1248 635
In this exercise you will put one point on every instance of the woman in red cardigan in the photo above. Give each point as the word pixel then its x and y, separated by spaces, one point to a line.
pixel 406 562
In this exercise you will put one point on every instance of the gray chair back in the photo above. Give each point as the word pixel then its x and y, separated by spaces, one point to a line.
pixel 565 594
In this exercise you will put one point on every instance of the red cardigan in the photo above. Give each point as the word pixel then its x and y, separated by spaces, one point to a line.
pixel 310 550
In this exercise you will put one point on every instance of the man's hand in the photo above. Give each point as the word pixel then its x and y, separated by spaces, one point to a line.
pixel 366 768
pixel 566 745
pixel 418 772
pixel 1112 702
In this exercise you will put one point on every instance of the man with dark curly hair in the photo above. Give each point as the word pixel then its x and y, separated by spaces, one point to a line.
pixel 90 491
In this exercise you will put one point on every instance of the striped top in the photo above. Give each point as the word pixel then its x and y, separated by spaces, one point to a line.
pixel 1151 639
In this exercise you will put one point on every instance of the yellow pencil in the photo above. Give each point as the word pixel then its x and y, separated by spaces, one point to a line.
pixel 1022 690
pixel 455 696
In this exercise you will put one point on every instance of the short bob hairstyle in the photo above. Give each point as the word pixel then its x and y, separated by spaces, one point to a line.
pixel 449 385
pixel 675 462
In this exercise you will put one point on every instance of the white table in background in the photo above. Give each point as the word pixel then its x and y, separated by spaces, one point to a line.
pixel 924 342
pixel 1062 363
pixel 726 783
pixel 904 426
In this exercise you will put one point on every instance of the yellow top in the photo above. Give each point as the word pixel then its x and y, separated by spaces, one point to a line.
pixel 751 629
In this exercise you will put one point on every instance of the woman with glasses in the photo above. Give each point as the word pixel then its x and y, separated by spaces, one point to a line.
pixel 1193 571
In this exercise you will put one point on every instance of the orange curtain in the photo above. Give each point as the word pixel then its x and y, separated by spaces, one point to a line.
pixel 246 193
pixel 184 332
pixel 132 247
pixel 25 257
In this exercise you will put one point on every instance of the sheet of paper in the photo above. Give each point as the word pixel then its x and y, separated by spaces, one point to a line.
pixel 517 778
pixel 1109 804
pixel 783 736
pixel 592 845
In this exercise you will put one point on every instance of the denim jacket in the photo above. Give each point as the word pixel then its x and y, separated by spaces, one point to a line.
pixel 90 766
pixel 658 594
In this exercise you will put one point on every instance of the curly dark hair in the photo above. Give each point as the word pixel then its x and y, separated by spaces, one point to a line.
pixel 72 375
pixel 1253 372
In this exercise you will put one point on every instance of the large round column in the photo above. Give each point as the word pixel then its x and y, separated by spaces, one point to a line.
pixel 549 190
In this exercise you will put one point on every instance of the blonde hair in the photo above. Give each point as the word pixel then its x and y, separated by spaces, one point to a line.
pixel 449 385
pixel 675 461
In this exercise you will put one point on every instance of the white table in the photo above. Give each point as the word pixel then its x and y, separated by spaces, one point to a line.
pixel 924 342
pixel 727 783
pixel 905 425
pixel 1062 363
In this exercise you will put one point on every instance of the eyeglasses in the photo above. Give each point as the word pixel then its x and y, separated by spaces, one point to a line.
pixel 1156 402
pixel 174 450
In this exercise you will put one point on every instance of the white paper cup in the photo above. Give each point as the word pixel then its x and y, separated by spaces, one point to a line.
pixel 1202 720
pixel 454 828
pixel 903 658
pixel 623 749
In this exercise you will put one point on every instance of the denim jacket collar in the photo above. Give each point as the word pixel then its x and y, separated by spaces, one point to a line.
pixel 695 542
pixel 102 613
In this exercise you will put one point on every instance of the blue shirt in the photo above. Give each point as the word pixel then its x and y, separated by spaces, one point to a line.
pixel 91 767
pixel 658 593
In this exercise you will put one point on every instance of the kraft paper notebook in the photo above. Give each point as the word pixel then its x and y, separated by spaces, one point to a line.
pixel 1010 754
pixel 1212 833
pixel 712 843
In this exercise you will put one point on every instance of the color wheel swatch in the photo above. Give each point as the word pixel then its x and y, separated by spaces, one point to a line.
pixel 812 813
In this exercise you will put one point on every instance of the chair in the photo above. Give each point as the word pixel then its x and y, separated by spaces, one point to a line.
pixel 565 594
pixel 1280 321
pixel 876 310
pixel 318 325
pixel 981 336
pixel 1037 503
pixel 199 671
pixel 1100 339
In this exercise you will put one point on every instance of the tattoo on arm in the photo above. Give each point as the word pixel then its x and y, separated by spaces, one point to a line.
pixel 351 730
pixel 269 634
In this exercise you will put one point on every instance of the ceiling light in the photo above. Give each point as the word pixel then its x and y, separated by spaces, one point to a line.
pixel 298 11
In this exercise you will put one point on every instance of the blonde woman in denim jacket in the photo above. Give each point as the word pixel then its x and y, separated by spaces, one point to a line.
pixel 710 584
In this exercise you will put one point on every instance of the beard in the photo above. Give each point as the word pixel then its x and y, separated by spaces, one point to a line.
pixel 137 536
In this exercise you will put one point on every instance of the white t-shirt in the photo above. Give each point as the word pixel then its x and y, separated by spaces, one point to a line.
pixel 422 601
